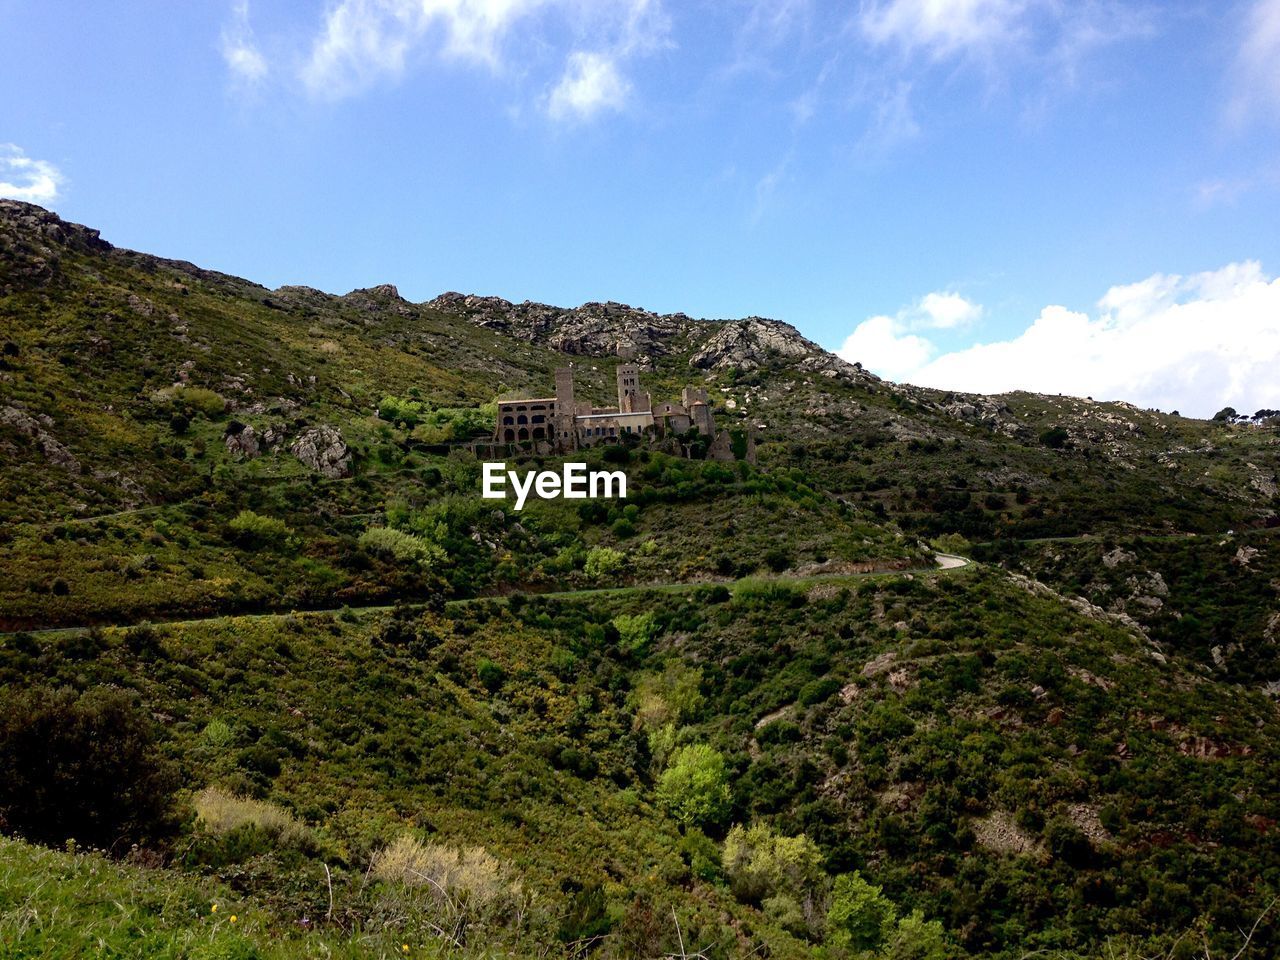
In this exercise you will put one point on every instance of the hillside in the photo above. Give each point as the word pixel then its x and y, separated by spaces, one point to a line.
pixel 242 553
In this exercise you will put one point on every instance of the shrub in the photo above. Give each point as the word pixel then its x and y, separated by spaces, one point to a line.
pixel 777 559
pixel 818 691
pixel 253 529
pixel 1055 438
pixel 695 786
pixel 635 631
pixel 220 813
pixel 195 399
pixel 404 547
pixel 918 939
pixel 673 696
pixel 82 766
pixel 218 732
pixel 490 674
pixel 466 878
pixel 760 863
pixel 603 561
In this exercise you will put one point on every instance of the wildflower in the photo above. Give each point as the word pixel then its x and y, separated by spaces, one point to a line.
pixel 404 947
pixel 233 918
pixel 214 908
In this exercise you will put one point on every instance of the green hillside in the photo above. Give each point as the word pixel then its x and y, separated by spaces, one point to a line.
pixel 742 713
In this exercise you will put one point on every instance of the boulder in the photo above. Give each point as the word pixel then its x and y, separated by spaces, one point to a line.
pixel 322 449
pixel 242 441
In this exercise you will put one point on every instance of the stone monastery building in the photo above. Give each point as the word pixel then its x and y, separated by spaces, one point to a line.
pixel 564 424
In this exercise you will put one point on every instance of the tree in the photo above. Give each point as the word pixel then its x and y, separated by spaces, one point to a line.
pixel 918 939
pixel 1226 413
pixel 782 874
pixel 695 786
pixel 860 917
pixel 81 766
pixel 1055 438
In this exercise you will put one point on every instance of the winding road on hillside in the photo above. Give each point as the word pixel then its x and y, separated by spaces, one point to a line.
pixel 947 562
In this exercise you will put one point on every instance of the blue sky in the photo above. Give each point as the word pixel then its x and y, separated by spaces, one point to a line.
pixel 980 194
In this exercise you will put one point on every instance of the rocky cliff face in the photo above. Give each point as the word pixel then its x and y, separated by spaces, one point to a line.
pixel 604 329
pixel 32 242
pixel 594 328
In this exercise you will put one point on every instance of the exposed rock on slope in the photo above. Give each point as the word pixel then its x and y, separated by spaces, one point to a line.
pixel 36 427
pixel 323 450
pixel 593 328
pixel 600 329
pixel 32 240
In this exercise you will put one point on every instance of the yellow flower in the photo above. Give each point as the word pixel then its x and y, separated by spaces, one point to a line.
pixel 404 947
pixel 214 909
pixel 233 918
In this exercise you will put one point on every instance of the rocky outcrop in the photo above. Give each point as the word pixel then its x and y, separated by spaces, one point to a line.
pixel 754 342
pixel 1118 556
pixel 244 442
pixel 36 427
pixel 33 241
pixel 241 441
pixel 322 449
pixel 597 329
pixel 607 329
pixel 132 492
pixel 383 297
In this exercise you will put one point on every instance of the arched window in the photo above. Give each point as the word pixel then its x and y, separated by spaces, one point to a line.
pixel 508 421
pixel 509 436
pixel 522 419
pixel 523 434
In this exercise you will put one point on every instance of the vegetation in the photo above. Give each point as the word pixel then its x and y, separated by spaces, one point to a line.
pixel 739 714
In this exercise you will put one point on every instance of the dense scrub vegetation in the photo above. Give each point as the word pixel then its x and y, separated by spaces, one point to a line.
pixel 1014 776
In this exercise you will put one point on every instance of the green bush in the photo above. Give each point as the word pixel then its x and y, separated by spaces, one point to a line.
pixel 818 691
pixel 695 786
pixel 404 547
pixel 82 766
pixel 761 863
pixel 603 561
pixel 635 631
pixel 490 674
pixel 1055 438
pixel 253 529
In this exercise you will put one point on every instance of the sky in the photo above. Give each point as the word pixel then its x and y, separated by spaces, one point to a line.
pixel 1069 196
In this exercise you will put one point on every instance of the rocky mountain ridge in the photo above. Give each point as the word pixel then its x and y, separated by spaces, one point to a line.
pixel 611 328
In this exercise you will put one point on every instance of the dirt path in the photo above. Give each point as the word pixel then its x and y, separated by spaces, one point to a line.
pixel 946 562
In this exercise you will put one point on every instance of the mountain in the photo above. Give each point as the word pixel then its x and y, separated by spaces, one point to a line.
pixel 246 569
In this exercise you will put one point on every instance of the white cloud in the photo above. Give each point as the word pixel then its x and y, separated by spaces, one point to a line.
pixel 947 310
pixel 942 28
pixel 591 83
pixel 240 49
pixel 886 344
pixel 21 178
pixel 881 345
pixel 363 41
pixel 1195 344
pixel 1258 61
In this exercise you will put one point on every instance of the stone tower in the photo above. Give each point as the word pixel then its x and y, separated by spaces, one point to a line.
pixel 630 398
pixel 566 409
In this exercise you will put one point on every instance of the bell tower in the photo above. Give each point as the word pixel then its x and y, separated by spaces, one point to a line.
pixel 566 410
